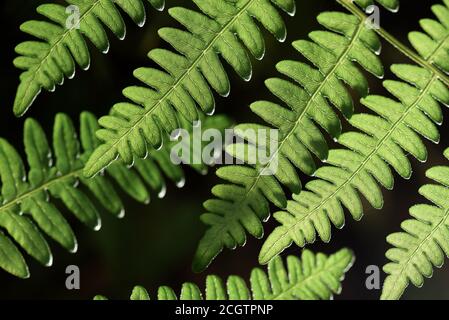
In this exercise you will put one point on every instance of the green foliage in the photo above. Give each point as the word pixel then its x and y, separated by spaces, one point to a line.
pixel 187 74
pixel 314 277
pixel 308 96
pixel 27 198
pixel 60 45
pixel 122 148
pixel 425 240
pixel 385 139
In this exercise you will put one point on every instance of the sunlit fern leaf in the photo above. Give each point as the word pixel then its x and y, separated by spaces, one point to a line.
pixel 425 240
pixel 385 140
pixel 60 44
pixel 224 28
pixel 308 99
pixel 392 5
pixel 433 43
pixel 314 277
pixel 27 205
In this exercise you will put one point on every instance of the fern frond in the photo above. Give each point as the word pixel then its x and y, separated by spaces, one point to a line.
pixel 314 277
pixel 385 140
pixel 188 73
pixel 309 96
pixel 424 241
pixel 26 198
pixel 50 59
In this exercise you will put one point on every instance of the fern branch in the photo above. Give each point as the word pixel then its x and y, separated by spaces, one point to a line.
pixel 48 61
pixel 244 203
pixel 424 241
pixel 366 163
pixel 314 277
pixel 188 77
pixel 438 68
pixel 26 204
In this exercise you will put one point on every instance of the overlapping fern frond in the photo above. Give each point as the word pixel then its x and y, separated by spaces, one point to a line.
pixel 60 43
pixel 424 241
pixel 314 277
pixel 26 198
pixel 384 140
pixel 183 86
pixel 309 97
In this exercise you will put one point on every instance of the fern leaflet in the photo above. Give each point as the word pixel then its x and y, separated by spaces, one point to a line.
pixel 366 162
pixel 25 199
pixel 188 77
pixel 47 61
pixel 424 241
pixel 309 94
pixel 314 277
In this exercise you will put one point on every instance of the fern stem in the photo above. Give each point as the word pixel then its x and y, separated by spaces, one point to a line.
pixel 43 187
pixel 397 44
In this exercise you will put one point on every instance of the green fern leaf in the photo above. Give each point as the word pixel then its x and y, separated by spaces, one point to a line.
pixel 424 241
pixel 385 140
pixel 308 96
pixel 224 28
pixel 60 45
pixel 314 277
pixel 26 199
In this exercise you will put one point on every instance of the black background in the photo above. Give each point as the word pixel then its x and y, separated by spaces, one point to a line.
pixel 154 244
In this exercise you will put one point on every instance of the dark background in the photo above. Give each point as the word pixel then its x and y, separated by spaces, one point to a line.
pixel 153 245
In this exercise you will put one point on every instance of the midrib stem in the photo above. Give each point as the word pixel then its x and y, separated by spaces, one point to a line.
pixel 45 186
